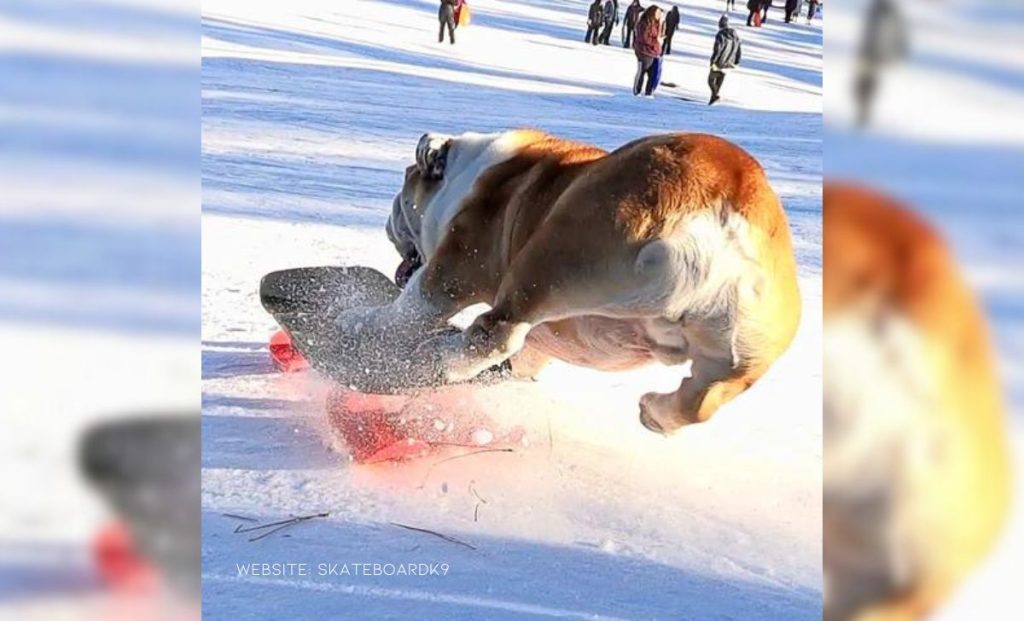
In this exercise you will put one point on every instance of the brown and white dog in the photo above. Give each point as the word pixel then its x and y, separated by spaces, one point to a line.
pixel 672 248
pixel 915 459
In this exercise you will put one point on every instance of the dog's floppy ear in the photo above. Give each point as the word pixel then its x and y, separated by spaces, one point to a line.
pixel 432 154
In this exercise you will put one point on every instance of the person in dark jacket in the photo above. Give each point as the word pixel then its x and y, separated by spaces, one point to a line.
pixel 633 13
pixel 650 28
pixel 792 6
pixel 610 13
pixel 671 25
pixel 765 5
pixel 446 15
pixel 754 6
pixel 595 17
pixel 730 5
pixel 725 55
pixel 812 8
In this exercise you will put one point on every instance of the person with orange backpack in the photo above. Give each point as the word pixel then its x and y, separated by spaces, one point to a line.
pixel 754 18
pixel 461 13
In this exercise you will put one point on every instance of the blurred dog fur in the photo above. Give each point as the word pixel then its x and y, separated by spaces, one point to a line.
pixel 916 473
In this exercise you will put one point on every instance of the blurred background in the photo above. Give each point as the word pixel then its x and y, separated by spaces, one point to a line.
pixel 100 262
pixel 100 315
pixel 924 101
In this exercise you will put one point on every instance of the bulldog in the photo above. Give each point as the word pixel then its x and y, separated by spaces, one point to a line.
pixel 916 473
pixel 670 249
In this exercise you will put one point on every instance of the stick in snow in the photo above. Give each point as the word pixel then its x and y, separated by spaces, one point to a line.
pixel 454 457
pixel 279 525
pixel 473 491
pixel 447 538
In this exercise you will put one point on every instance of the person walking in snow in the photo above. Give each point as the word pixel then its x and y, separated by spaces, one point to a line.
pixel 446 15
pixel 754 17
pixel 792 6
pixel 633 13
pixel 650 29
pixel 730 5
pixel 595 17
pixel 610 13
pixel 765 5
pixel 671 25
pixel 812 8
pixel 725 55
pixel 883 43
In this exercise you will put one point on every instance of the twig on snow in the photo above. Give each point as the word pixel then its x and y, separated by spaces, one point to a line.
pixel 447 538
pixel 279 525
pixel 454 457
pixel 473 491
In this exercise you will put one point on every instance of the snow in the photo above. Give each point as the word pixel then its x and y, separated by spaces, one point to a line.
pixel 311 111
pixel 99 260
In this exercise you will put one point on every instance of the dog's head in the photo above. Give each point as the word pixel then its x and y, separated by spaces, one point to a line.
pixel 423 179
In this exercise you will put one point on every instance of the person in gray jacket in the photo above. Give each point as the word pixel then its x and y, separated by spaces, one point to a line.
pixel 883 44
pixel 725 55
pixel 610 13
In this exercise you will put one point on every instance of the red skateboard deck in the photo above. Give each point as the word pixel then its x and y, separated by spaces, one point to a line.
pixel 285 357
pixel 378 428
pixel 119 562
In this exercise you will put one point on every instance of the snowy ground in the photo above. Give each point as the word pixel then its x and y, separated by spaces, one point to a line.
pixel 311 110
pixel 945 141
pixel 99 261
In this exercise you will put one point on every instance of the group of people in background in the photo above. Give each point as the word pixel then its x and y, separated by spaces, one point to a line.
pixel 601 20
pixel 603 16
pixel 649 31
pixel 759 10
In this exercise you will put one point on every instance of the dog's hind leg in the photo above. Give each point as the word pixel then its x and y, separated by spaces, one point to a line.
pixel 717 376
